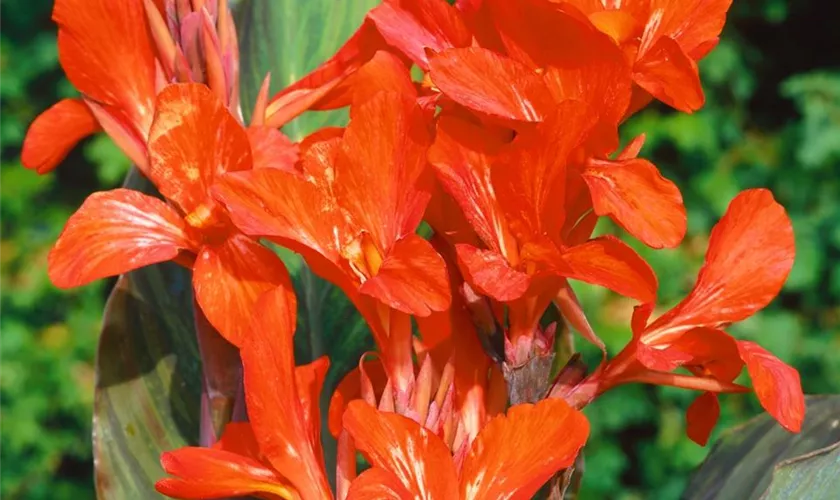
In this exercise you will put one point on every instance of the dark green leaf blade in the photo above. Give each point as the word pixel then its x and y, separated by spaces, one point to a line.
pixel 815 476
pixel 742 463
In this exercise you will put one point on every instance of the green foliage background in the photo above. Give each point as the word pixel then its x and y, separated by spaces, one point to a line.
pixel 772 119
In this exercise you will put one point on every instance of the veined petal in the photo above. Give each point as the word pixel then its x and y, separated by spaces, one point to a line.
pixel 271 149
pixel 55 132
pixel 490 83
pixel 515 454
pixel 229 278
pixel 639 199
pixel 310 381
pixel 750 255
pixel 114 232
pixel 414 455
pixel 412 278
pixel 692 23
pixel 106 51
pixel 604 261
pixel 530 177
pixel 280 204
pixel 776 384
pixel 384 72
pixel 490 273
pixel 193 140
pixel 701 417
pixel 211 473
pixel 670 75
pixel 271 390
pixel 416 25
pixel 378 484
pixel 461 155
pixel 382 179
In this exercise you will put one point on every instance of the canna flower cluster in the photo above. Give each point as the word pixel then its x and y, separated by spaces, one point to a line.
pixel 494 121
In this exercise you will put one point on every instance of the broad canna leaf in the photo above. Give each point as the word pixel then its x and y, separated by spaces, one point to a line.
pixel 760 460
pixel 148 384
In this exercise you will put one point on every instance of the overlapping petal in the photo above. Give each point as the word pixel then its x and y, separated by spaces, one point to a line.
pixel 638 198
pixel 229 277
pixel 107 53
pixel 515 454
pixel 490 83
pixel 414 26
pixel 114 232
pixel 273 390
pixel 55 132
pixel 776 384
pixel 490 273
pixel 412 278
pixel 749 258
pixel 193 140
pixel 414 455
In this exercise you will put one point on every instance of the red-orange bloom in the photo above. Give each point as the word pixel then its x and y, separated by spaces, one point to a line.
pixel 663 40
pixel 193 140
pixel 514 196
pixel 278 454
pixel 107 53
pixel 512 457
pixel 750 254
pixel 351 210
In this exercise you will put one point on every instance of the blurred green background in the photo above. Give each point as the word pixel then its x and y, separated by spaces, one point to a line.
pixel 772 119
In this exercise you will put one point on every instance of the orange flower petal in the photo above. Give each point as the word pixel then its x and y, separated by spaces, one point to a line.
pixel 212 473
pixel 114 232
pixel 350 388
pixel 229 278
pixel 692 23
pixel 750 255
pixel 636 196
pixel 530 177
pixel 515 454
pixel 776 384
pixel 604 261
pixel 670 75
pixel 418 458
pixel 238 437
pixel 55 132
pixel 384 72
pixel 490 83
pixel 271 149
pixel 414 26
pixel 384 183
pixel 107 53
pixel 310 381
pixel 701 417
pixel 193 140
pixel 378 484
pixel 412 278
pixel 491 274
pixel 271 391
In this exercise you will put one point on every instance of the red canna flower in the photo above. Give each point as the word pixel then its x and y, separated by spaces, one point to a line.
pixel 663 40
pixel 750 255
pixel 514 197
pixel 278 454
pixel 351 210
pixel 512 457
pixel 118 57
pixel 107 53
pixel 192 142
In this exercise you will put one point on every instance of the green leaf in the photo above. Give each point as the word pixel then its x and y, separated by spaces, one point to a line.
pixel 762 460
pixel 290 38
pixel 815 476
pixel 148 383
